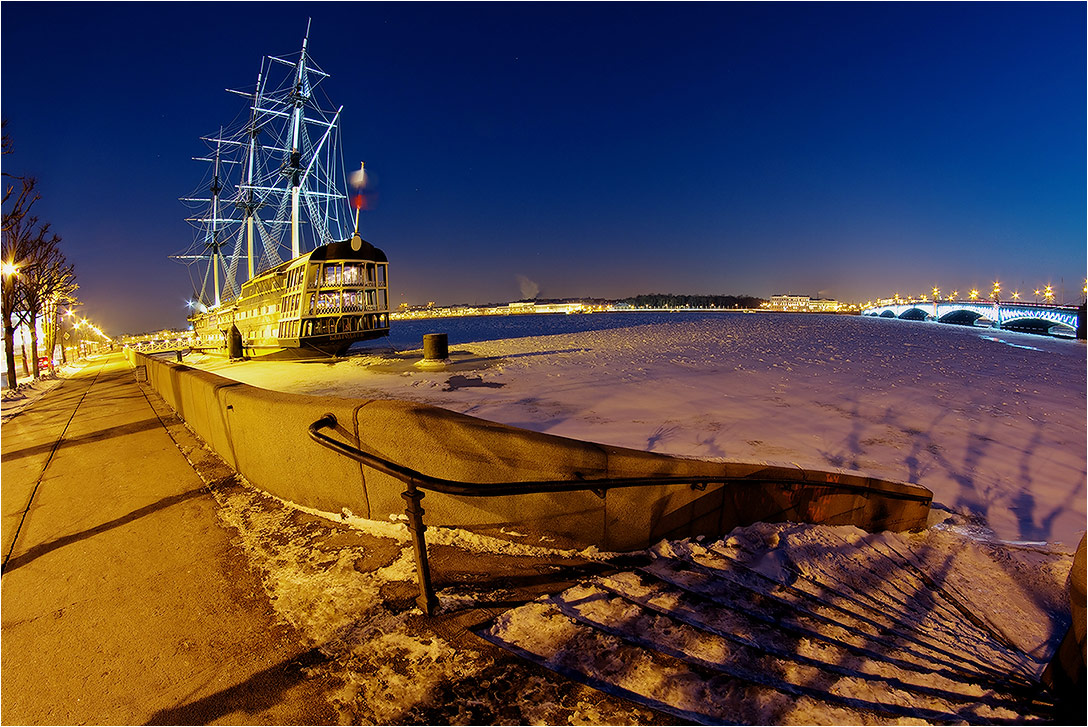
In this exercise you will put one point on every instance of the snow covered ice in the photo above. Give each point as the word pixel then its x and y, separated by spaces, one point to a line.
pixel 782 623
pixel 992 422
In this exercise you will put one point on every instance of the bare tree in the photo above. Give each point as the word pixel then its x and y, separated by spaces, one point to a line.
pixel 63 294
pixel 45 272
pixel 24 255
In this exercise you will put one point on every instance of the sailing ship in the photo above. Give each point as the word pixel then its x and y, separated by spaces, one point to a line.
pixel 281 267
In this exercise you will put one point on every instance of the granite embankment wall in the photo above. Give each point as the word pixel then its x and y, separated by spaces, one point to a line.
pixel 264 436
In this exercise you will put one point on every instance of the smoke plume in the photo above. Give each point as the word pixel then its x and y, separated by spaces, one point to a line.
pixel 529 289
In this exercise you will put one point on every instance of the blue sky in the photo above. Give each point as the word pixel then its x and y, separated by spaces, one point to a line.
pixel 849 150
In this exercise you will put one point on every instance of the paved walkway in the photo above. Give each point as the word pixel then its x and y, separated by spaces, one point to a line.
pixel 123 600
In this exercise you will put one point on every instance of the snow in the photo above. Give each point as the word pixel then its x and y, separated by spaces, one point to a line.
pixel 29 390
pixel 993 422
pixel 782 623
pixel 774 623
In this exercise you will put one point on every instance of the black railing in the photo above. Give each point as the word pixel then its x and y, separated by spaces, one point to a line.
pixel 417 481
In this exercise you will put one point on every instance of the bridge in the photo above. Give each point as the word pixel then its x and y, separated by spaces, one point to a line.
pixel 1046 319
pixel 159 342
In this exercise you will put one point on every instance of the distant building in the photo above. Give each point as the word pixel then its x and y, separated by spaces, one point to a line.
pixel 803 304
pixel 789 302
pixel 823 305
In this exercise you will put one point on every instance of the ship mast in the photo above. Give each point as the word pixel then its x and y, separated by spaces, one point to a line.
pixel 250 207
pixel 288 157
pixel 215 189
pixel 294 168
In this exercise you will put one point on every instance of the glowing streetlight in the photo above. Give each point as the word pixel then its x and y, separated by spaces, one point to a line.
pixel 974 295
pixel 1037 294
pixel 995 294
pixel 1048 294
pixel 9 269
pixel 953 294
pixel 1016 295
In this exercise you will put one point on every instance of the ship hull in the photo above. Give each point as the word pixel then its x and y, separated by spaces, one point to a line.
pixel 316 305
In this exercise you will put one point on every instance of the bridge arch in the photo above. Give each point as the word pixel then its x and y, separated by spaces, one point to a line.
pixel 1040 326
pixel 964 318
pixel 914 314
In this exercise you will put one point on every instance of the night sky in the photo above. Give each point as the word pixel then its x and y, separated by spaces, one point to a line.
pixel 842 150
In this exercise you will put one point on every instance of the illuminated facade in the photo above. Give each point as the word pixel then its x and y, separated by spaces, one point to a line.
pixel 803 304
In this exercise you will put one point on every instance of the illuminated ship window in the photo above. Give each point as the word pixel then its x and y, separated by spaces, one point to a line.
pixel 332 275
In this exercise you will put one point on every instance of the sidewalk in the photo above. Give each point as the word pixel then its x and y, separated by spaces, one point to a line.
pixel 123 599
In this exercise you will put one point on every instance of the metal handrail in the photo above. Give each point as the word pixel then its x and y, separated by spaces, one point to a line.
pixel 416 481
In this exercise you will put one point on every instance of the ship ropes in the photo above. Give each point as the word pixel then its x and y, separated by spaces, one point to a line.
pixel 277 263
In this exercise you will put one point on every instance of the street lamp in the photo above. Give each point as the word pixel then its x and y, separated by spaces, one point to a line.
pixel 996 294
pixel 1048 294
pixel 974 295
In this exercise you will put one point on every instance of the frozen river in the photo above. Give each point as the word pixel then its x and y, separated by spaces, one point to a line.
pixel 992 422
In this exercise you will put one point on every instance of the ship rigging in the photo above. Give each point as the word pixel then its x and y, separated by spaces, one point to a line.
pixel 279 267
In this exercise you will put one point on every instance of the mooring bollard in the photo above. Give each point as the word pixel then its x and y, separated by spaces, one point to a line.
pixel 436 347
pixel 436 352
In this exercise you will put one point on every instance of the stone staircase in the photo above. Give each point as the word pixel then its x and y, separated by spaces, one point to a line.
pixel 789 624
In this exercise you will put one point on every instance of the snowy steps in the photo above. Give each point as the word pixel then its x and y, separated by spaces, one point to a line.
pixel 742 631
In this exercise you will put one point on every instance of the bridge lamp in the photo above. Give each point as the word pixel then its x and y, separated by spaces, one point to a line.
pixel 974 295
pixel 1037 294
pixel 953 294
pixel 1016 295
pixel 1049 294
pixel 936 293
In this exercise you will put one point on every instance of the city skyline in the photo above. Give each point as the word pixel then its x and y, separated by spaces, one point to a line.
pixel 580 150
